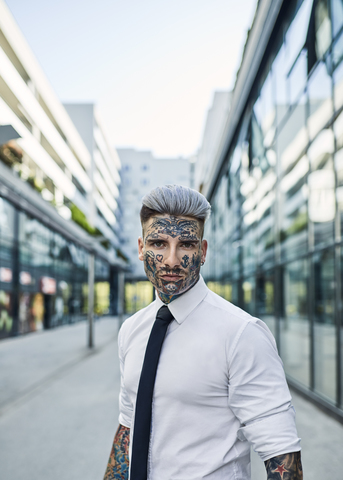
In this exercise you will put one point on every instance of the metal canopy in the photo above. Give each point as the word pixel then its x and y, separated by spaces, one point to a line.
pixel 7 133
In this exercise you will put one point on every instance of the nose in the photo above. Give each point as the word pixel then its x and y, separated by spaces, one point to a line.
pixel 172 260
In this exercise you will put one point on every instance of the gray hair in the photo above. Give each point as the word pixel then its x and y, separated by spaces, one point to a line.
pixel 178 200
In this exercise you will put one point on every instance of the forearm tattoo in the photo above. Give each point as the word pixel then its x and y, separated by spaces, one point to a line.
pixel 118 463
pixel 285 467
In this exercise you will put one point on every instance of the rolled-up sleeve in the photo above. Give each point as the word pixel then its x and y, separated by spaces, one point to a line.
pixel 258 393
pixel 125 405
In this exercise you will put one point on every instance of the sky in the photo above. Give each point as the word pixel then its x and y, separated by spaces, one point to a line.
pixel 151 66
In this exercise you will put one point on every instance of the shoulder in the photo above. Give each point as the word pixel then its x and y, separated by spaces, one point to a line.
pixel 224 310
pixel 234 319
pixel 135 321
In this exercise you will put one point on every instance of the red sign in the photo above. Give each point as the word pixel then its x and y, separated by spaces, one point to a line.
pixel 25 278
pixel 5 275
pixel 48 285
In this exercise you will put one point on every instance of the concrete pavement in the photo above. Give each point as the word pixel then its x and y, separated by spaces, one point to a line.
pixel 59 409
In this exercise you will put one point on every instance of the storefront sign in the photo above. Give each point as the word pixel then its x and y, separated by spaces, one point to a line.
pixel 25 278
pixel 5 275
pixel 48 285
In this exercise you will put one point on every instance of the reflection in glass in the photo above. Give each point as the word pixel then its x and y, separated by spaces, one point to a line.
pixel 6 319
pixel 280 84
pixel 337 51
pixel 337 16
pixel 297 77
pixel 249 303
pixel 338 129
pixel 321 184
pixel 258 186
pixel 294 326
pixel 324 327
pixel 293 138
pixel 320 100
pixel 338 86
pixel 6 219
pixel 322 27
pixel 265 301
pixel 296 34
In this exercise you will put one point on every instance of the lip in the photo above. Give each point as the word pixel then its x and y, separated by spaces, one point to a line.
pixel 171 278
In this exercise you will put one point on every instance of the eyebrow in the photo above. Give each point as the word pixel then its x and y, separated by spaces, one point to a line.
pixel 153 240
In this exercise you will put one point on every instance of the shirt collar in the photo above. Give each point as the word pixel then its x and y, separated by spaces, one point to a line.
pixel 182 306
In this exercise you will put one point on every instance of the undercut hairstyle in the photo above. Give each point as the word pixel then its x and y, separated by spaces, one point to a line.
pixel 175 200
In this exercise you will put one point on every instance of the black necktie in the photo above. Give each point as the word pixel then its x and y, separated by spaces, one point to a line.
pixel 141 432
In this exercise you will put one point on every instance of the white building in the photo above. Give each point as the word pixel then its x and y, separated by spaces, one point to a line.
pixel 58 195
pixel 104 168
pixel 141 172
pixel 213 132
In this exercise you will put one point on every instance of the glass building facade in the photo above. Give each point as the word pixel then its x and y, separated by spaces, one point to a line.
pixel 275 234
pixel 44 276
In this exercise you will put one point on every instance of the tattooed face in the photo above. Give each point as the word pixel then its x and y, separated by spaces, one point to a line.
pixel 172 252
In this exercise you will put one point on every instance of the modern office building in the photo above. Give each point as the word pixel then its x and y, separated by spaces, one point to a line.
pixel 141 172
pixel 55 207
pixel 276 186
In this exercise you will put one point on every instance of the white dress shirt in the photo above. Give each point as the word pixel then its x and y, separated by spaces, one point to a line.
pixel 219 387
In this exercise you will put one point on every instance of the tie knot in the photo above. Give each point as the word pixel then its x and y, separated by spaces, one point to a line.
pixel 164 314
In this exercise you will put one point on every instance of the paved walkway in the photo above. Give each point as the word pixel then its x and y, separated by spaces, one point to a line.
pixel 59 409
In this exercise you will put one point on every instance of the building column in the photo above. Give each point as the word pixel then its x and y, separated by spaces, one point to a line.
pixel 15 275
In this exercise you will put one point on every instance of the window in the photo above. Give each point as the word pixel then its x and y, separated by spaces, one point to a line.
pixel 318 38
pixel 295 327
pixel 324 325
pixel 337 16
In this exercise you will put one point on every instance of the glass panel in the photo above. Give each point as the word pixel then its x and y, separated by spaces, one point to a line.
pixel 293 138
pixel 338 129
pixel 293 235
pixel 296 34
pixel 206 270
pixel 336 15
pixel 324 328
pixel 322 27
pixel 265 301
pixel 337 51
pixel 222 230
pixel 280 73
pixel 249 304
pixel 321 185
pixel 295 326
pixel 338 86
pixel 248 191
pixel 264 111
pixel 258 186
pixel 6 219
pixel 298 77
pixel 235 220
pixel 320 100
pixel 6 319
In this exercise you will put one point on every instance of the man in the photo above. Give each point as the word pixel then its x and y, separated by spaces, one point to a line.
pixel 219 385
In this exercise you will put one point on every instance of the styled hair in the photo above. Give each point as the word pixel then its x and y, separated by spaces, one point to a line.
pixel 175 200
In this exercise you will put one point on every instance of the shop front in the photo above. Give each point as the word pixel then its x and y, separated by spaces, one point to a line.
pixel 43 276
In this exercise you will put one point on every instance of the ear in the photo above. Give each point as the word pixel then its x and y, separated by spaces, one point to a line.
pixel 203 250
pixel 140 249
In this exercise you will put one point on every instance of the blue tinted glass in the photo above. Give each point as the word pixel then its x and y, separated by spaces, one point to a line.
pixel 297 32
pixel 336 15
pixel 294 325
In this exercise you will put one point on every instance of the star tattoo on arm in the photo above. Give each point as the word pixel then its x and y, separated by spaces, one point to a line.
pixel 285 467
pixel 118 463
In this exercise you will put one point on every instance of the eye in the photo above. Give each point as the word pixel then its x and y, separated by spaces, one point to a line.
pixel 187 245
pixel 158 244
